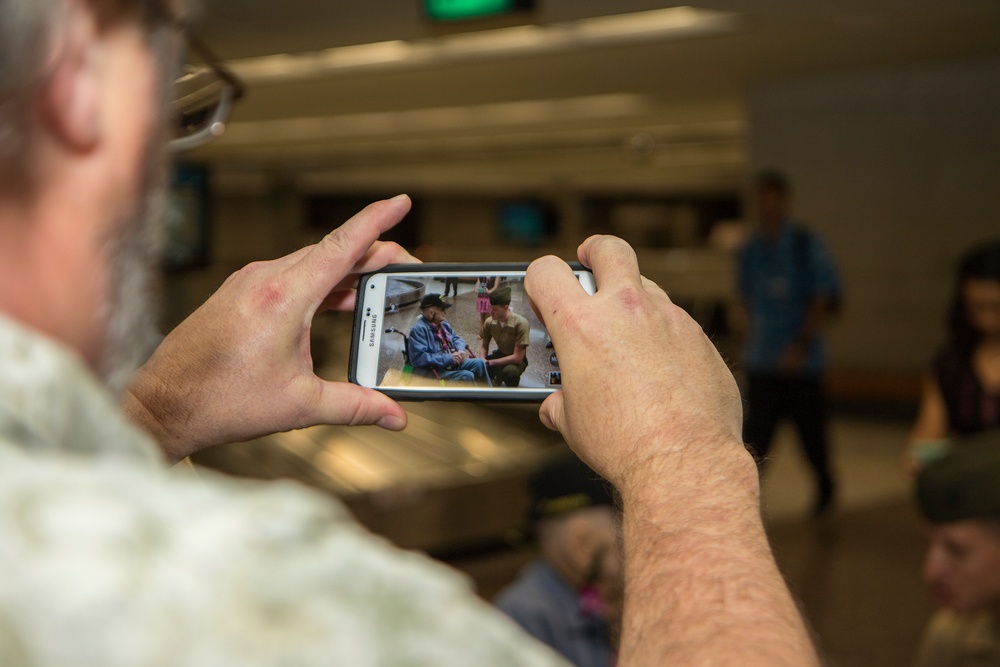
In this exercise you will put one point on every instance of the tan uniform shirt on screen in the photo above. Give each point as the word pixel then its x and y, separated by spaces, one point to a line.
pixel 516 331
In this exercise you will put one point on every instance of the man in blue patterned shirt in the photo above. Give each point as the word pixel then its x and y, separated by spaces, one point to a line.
pixel 789 285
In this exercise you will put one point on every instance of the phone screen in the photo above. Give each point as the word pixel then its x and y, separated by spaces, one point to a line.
pixel 443 332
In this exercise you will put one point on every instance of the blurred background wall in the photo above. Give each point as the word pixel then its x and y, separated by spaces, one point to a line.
pixel 521 134
pixel 899 170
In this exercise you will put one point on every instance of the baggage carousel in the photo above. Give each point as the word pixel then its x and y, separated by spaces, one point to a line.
pixel 453 482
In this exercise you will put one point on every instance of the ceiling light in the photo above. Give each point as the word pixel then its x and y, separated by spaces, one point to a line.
pixel 658 24
pixel 450 119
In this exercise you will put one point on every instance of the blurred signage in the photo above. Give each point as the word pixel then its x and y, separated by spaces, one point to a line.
pixel 455 10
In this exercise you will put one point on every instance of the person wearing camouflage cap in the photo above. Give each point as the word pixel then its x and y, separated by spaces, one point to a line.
pixel 959 495
pixel 512 334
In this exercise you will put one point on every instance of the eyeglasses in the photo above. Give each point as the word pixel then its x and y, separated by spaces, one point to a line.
pixel 203 98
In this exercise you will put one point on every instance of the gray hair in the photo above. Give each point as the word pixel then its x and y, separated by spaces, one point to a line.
pixel 26 28
pixel 27 31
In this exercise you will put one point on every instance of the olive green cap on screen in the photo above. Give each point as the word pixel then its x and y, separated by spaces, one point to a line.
pixel 501 297
pixel 965 483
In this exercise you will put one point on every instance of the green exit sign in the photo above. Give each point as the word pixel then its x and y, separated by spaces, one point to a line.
pixel 456 10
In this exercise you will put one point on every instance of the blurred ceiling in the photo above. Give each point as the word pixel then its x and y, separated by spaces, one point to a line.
pixel 368 95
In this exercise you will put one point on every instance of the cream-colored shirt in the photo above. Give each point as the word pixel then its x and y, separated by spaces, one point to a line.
pixel 109 560
pixel 960 640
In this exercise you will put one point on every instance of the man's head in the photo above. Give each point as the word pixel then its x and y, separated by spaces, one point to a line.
pixel 771 198
pixel 500 304
pixel 83 91
pixel 960 496
pixel 577 530
pixel 433 307
pixel 571 508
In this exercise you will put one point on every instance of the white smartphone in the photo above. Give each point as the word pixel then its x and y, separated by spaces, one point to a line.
pixel 453 332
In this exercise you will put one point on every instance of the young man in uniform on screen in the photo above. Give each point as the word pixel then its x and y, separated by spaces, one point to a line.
pixel 512 334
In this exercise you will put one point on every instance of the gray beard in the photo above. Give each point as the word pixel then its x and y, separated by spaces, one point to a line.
pixel 132 310
pixel 131 315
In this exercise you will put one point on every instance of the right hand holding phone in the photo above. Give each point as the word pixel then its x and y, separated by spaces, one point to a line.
pixel 643 389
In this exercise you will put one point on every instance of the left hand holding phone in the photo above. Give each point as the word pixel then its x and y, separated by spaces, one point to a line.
pixel 240 366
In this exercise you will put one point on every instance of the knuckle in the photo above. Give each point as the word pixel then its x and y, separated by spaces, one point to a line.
pixel 632 297
pixel 359 413
pixel 249 271
pixel 544 263
pixel 582 323
pixel 339 242
pixel 618 251
pixel 270 296
pixel 390 251
pixel 609 243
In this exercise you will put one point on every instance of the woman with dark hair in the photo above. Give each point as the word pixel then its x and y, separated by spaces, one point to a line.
pixel 962 391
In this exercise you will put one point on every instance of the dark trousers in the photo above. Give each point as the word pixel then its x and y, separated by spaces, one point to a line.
pixel 509 375
pixel 771 398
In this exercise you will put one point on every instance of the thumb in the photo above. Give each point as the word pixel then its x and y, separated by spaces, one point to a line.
pixel 551 412
pixel 349 404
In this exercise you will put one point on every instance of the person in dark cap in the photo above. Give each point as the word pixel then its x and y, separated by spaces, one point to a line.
pixel 959 495
pixel 436 350
pixel 570 597
pixel 512 333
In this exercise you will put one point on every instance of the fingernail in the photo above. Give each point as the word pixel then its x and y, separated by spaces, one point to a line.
pixel 400 197
pixel 392 423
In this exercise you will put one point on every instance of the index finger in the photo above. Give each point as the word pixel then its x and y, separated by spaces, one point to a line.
pixel 551 285
pixel 612 260
pixel 336 255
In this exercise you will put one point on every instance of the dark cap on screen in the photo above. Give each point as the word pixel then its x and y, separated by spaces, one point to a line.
pixel 965 483
pixel 432 300
pixel 566 485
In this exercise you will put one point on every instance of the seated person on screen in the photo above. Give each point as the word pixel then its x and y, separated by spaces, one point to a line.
pixel 960 496
pixel 512 333
pixel 571 596
pixel 437 351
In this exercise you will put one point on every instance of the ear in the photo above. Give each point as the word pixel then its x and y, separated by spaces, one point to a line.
pixel 71 97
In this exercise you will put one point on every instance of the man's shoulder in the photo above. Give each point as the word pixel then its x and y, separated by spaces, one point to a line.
pixel 951 637
pixel 520 320
pixel 50 401
pixel 804 239
pixel 532 595
pixel 251 573
pixel 420 327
